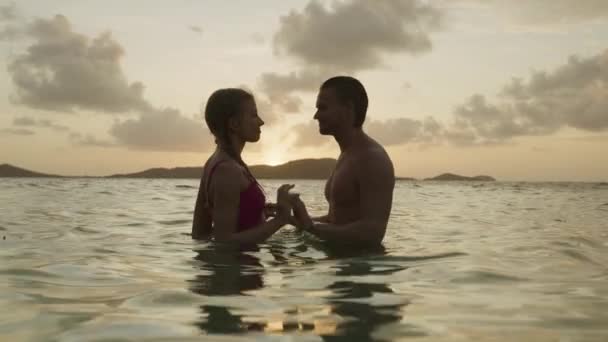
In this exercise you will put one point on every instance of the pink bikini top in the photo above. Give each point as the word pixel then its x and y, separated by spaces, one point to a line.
pixel 252 202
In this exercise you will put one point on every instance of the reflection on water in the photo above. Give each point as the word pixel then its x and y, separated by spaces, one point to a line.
pixel 111 260
pixel 226 272
pixel 348 314
pixel 352 301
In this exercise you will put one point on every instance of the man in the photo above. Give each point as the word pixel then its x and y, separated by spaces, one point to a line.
pixel 360 188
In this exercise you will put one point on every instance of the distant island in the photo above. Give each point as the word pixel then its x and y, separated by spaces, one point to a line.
pixel 405 179
pixel 453 177
pixel 296 169
pixel 7 170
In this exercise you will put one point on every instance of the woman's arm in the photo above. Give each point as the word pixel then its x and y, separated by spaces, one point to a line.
pixel 201 222
pixel 226 201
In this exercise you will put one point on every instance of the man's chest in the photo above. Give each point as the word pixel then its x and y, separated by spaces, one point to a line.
pixel 342 187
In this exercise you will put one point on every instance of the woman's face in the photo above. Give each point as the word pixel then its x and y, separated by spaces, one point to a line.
pixel 250 123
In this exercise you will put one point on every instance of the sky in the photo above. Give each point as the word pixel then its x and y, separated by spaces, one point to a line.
pixel 512 89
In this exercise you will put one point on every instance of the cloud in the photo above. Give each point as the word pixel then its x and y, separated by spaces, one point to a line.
pixel 8 12
pixel 344 38
pixel 391 132
pixel 400 131
pixel 42 123
pixel 195 29
pixel 24 121
pixel 257 38
pixel 10 32
pixel 573 95
pixel 10 22
pixel 290 104
pixel 545 12
pixel 64 71
pixel 278 88
pixel 590 138
pixel 163 130
pixel 17 131
pixel 89 140
pixel 307 135
pixel 267 109
pixel 353 35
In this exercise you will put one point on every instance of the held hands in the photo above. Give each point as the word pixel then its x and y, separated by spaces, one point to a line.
pixel 270 210
pixel 290 208
pixel 300 218
pixel 283 206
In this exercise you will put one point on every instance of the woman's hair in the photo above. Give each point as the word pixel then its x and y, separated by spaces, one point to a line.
pixel 221 106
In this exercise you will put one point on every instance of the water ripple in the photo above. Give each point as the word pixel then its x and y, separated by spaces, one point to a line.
pixel 181 186
pixel 114 259
pixel 483 277
pixel 175 222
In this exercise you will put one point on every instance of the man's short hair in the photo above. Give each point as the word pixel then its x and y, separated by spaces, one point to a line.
pixel 349 89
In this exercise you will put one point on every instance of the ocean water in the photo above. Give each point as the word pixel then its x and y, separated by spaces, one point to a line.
pixel 111 260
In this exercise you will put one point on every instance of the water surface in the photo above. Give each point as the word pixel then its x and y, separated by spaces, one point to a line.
pixel 111 259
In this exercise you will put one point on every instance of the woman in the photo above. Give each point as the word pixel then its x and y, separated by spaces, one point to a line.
pixel 231 205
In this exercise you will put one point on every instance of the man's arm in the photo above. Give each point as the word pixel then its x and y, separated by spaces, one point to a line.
pixel 376 180
pixel 322 219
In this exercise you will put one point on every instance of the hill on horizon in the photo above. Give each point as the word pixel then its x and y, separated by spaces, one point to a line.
pixel 7 170
pixel 295 169
pixel 453 177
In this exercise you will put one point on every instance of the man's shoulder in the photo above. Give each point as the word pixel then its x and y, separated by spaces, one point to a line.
pixel 373 153
pixel 374 168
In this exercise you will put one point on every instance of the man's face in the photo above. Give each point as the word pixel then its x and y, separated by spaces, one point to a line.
pixel 331 114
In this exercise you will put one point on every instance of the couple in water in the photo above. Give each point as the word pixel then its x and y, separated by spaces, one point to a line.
pixel 231 205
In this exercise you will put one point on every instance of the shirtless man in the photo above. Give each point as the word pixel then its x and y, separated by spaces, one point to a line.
pixel 360 188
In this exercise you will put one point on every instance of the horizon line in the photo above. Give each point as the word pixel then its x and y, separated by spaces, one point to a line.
pixel 398 178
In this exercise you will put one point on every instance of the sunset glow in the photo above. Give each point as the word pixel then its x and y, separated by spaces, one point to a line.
pixel 510 89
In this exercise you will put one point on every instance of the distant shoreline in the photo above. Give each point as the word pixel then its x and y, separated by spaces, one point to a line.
pixel 397 179
pixel 303 169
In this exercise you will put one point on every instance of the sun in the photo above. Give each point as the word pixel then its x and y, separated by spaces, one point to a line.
pixel 273 161
pixel 273 158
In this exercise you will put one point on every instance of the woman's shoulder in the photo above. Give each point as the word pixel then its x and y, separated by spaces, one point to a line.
pixel 221 167
pixel 224 176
